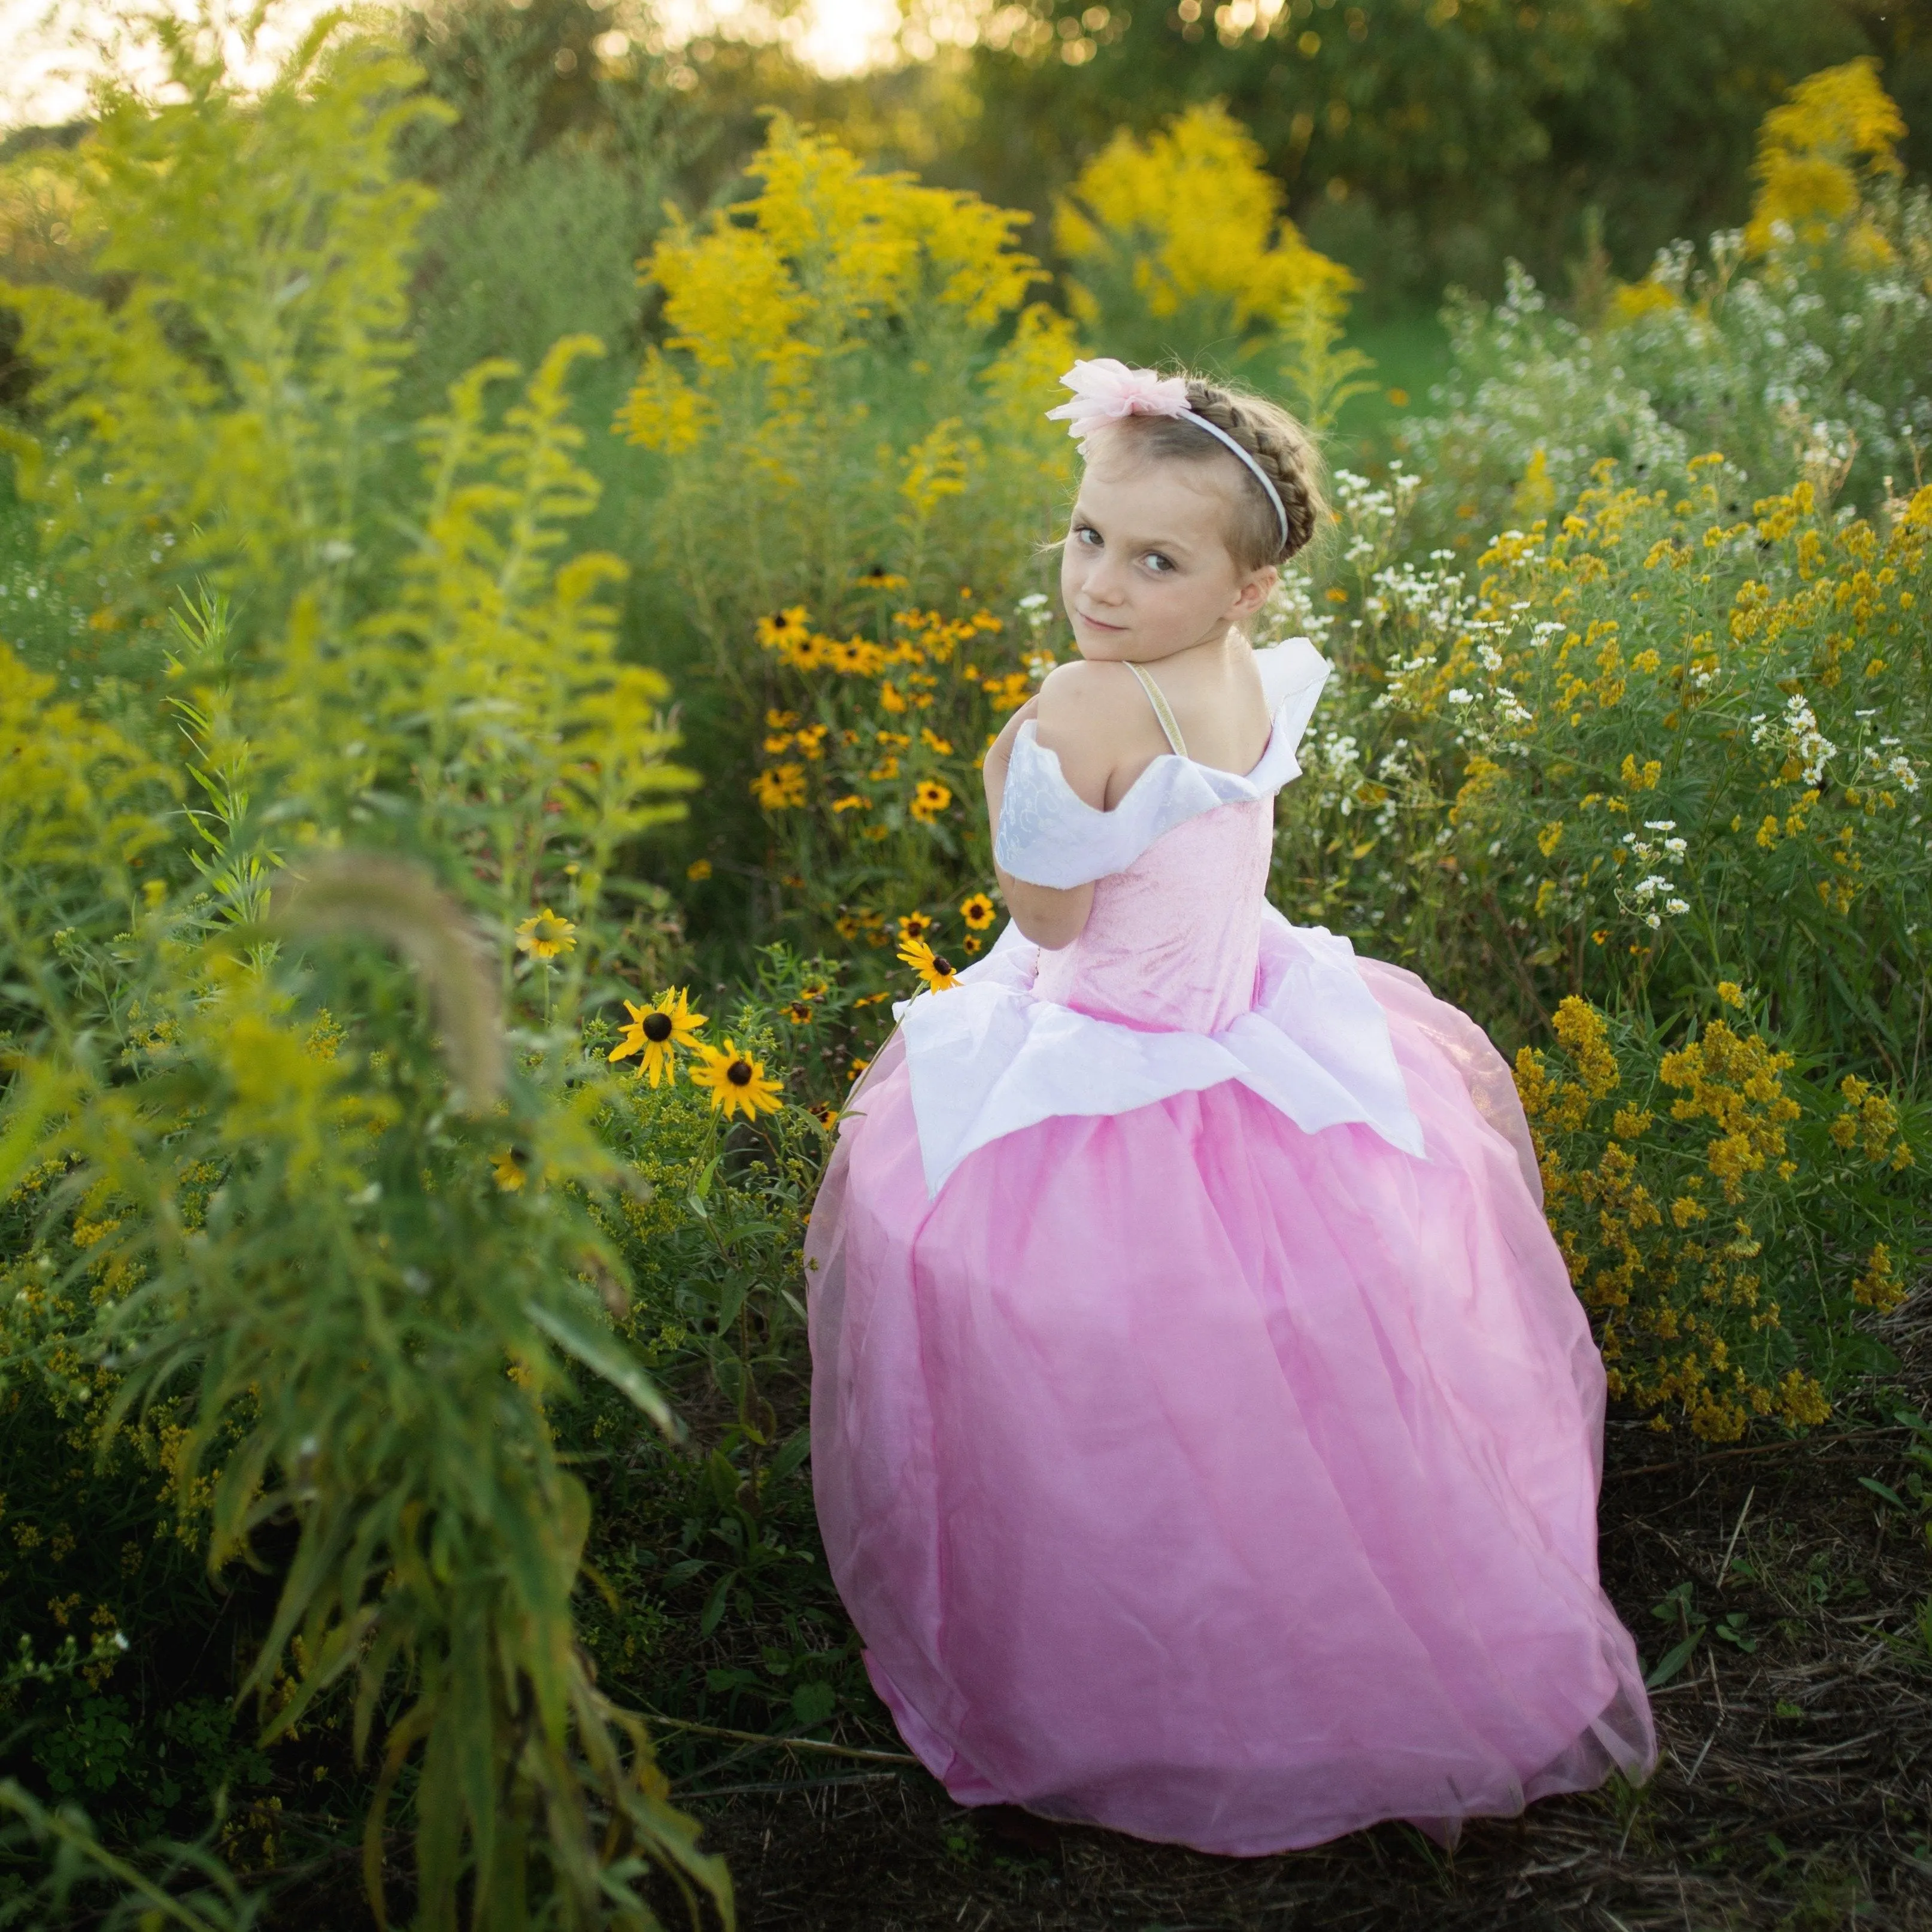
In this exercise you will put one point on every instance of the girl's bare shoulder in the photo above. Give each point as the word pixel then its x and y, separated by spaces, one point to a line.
pixel 1094 718
pixel 1086 696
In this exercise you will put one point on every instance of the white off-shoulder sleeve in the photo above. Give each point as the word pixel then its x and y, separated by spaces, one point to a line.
pixel 1049 835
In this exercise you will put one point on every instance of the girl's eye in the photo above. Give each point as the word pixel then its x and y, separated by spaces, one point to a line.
pixel 1086 534
pixel 1160 566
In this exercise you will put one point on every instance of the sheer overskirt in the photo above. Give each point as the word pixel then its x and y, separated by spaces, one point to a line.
pixel 1190 1474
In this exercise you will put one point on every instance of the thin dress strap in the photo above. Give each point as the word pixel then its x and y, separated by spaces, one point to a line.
pixel 1161 709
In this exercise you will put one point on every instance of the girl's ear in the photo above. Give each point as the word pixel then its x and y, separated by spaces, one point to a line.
pixel 1254 592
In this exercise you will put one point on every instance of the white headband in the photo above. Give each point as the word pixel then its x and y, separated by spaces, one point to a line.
pixel 1106 391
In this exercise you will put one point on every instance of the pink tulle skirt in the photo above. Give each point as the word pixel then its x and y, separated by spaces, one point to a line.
pixel 1190 1475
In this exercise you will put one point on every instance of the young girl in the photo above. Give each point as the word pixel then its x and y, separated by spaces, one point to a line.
pixel 1206 1436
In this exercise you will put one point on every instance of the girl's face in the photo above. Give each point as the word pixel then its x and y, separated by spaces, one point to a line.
pixel 1145 570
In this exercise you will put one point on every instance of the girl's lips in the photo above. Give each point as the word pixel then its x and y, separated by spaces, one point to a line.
pixel 1097 623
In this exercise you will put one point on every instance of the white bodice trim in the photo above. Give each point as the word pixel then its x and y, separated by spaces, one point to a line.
pixel 1049 835
pixel 986 1058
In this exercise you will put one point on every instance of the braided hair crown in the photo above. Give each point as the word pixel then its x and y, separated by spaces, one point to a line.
pixel 1277 442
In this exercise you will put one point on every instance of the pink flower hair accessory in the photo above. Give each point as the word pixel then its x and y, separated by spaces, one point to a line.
pixel 1106 391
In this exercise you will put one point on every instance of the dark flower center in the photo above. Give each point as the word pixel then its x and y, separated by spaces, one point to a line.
pixel 739 1073
pixel 657 1026
pixel 941 966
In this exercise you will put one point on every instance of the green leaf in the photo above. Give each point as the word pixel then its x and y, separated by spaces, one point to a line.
pixel 1673 1660
pixel 1878 1488
pixel 605 1357
pixel 790 1455
pixel 714 1604
pixel 813 1703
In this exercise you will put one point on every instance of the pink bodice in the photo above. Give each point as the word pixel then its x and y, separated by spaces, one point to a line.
pixel 1172 941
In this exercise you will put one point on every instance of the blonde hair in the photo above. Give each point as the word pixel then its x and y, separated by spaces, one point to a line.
pixel 1276 441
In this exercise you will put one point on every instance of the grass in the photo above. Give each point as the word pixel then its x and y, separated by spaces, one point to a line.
pixel 1411 351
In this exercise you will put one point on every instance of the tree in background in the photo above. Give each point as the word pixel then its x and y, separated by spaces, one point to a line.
pixel 1420 143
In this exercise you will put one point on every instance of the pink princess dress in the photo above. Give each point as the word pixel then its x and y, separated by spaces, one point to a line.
pixel 1206 1436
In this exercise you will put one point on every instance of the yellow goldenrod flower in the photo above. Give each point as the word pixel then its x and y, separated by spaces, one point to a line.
pixel 936 970
pixel 929 798
pixel 1732 993
pixel 546 936
pixel 979 912
pixel 507 1170
pixel 656 1032
pixel 735 1084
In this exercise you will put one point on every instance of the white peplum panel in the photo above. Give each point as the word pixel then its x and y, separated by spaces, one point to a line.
pixel 986 1058
pixel 1049 835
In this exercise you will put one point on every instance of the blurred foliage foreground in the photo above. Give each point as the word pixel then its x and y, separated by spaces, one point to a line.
pixel 362 1181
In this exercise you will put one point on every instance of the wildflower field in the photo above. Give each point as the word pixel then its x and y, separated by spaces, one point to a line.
pixel 472 789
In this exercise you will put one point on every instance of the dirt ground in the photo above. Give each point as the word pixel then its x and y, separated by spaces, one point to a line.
pixel 1794 1793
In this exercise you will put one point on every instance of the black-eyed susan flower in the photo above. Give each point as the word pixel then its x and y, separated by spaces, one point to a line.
pixel 880 578
pixel 656 1032
pixel 508 1171
pixel 816 988
pixel 935 970
pixel 857 1067
pixel 799 1011
pixel 914 925
pixel 735 1083
pixel 782 787
pixel 979 912
pixel 929 798
pixel 933 742
pixel 698 868
pixel 784 628
pixel 546 936
pixel 972 942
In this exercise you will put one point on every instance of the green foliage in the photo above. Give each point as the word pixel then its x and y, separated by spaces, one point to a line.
pixel 211 393
pixel 834 397
pixel 1424 144
pixel 349 1260
pixel 551 180
pixel 1652 749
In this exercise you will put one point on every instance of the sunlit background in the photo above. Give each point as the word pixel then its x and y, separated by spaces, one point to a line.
pixel 41 81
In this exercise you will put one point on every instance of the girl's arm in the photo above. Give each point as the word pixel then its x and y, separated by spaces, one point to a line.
pixel 1048 916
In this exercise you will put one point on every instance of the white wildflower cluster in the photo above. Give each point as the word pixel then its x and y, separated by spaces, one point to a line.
pixel 1656 893
pixel 1291 612
pixel 1435 601
pixel 1796 733
pixel 1373 511
pixel 1898 768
